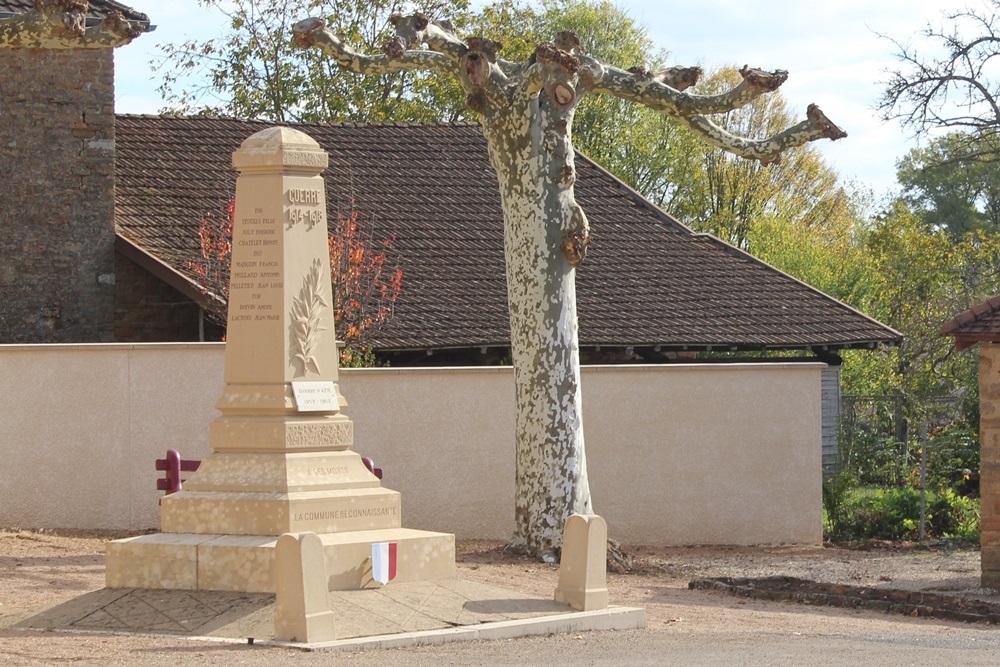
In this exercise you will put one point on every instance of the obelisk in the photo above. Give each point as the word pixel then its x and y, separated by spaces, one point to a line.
pixel 283 459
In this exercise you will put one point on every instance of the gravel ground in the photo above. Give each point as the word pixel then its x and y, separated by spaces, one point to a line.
pixel 41 569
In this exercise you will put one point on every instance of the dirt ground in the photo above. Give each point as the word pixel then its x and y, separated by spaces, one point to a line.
pixel 41 569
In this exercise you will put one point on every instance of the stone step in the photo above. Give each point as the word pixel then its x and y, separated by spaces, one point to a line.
pixel 242 513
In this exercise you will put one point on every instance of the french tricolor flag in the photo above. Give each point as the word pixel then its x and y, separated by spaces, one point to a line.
pixel 383 562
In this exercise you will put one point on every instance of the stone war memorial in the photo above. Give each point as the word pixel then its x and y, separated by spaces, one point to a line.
pixel 282 458
pixel 282 504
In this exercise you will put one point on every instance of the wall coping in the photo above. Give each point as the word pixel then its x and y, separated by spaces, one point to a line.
pixel 90 347
pixel 440 370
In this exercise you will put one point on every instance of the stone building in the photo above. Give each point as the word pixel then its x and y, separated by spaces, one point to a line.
pixel 57 146
pixel 980 325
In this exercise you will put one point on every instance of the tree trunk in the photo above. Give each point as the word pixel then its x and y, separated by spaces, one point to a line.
pixel 527 115
pixel 531 150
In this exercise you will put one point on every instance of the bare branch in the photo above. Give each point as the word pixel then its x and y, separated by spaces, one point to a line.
pixel 313 32
pixel 61 24
pixel 954 89
pixel 768 151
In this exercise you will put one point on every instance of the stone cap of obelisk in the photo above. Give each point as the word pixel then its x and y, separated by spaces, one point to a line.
pixel 280 147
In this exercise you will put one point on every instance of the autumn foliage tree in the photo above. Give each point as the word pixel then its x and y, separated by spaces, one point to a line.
pixel 365 286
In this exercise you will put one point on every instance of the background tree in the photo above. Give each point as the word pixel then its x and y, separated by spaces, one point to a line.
pixel 954 90
pixel 526 111
pixel 949 191
pixel 364 286
pixel 253 70
pixel 915 279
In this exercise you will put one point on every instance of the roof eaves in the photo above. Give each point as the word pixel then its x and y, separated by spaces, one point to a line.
pixel 952 326
pixel 164 272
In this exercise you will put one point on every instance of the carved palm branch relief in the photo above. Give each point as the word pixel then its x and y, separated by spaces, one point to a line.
pixel 306 315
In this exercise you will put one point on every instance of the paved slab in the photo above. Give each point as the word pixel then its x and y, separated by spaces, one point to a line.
pixel 399 614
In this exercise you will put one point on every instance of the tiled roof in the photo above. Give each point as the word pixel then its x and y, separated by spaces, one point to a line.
pixel 98 9
pixel 979 323
pixel 648 280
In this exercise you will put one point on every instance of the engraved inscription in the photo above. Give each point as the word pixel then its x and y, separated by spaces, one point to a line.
pixel 251 285
pixel 303 196
pixel 303 207
pixel 352 513
pixel 339 471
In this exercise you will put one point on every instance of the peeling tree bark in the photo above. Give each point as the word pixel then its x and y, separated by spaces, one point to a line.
pixel 526 114
pixel 61 24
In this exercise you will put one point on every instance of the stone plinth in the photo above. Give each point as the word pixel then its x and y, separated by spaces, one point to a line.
pixel 282 459
pixel 989 470
pixel 246 563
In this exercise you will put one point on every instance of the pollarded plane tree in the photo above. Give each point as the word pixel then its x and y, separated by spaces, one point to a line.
pixel 62 24
pixel 526 112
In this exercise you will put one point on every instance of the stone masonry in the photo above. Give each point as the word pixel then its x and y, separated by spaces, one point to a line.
pixel 57 278
pixel 989 438
pixel 148 310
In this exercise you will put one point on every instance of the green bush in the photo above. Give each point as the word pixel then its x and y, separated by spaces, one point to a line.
pixel 836 491
pixel 953 461
pixel 894 514
pixel 887 514
pixel 952 516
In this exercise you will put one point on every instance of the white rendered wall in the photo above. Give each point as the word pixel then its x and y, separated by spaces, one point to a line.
pixel 679 454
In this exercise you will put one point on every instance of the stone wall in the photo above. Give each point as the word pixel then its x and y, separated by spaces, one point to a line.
pixel 677 454
pixel 147 310
pixel 57 200
pixel 989 481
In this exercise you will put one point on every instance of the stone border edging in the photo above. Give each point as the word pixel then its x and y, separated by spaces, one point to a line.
pixel 893 601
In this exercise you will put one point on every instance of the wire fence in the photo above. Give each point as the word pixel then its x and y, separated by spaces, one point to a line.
pixel 906 460
pixel 881 444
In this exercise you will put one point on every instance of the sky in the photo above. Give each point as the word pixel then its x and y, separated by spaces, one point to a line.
pixel 832 51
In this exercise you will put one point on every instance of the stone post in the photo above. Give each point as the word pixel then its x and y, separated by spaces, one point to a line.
pixel 302 606
pixel 989 443
pixel 583 567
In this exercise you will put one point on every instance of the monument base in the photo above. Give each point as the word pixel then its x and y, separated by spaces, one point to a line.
pixel 245 563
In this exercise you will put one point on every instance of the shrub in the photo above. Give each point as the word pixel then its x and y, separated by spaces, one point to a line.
pixel 835 495
pixel 888 514
pixel 894 514
pixel 952 516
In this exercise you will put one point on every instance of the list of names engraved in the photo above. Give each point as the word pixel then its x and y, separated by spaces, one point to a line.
pixel 256 284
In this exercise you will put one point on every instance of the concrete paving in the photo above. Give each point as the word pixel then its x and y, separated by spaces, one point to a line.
pixel 396 615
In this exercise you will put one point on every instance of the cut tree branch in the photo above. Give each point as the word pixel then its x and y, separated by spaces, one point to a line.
pixel 768 151
pixel 61 24
pixel 655 91
pixel 313 32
